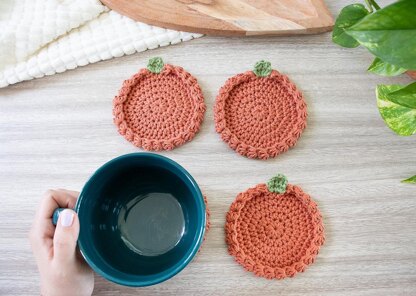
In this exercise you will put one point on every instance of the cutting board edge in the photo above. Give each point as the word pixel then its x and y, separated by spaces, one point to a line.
pixel 232 31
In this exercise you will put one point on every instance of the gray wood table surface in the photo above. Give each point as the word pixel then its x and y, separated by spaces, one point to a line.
pixel 55 131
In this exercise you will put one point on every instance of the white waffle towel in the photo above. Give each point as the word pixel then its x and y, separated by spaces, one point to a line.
pixel 44 37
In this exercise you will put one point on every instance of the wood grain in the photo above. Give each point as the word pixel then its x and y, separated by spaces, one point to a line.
pixel 55 131
pixel 230 17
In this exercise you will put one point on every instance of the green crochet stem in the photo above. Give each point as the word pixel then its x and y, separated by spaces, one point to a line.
pixel 277 184
pixel 155 65
pixel 262 68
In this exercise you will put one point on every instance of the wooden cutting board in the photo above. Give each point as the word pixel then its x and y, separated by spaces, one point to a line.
pixel 230 17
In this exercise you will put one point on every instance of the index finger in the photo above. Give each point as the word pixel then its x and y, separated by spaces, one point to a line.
pixel 53 199
pixel 43 230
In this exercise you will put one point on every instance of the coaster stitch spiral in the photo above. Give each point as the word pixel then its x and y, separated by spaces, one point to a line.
pixel 260 113
pixel 274 235
pixel 159 108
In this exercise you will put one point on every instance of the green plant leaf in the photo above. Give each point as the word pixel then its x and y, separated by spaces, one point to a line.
pixel 401 119
pixel 348 16
pixel 373 3
pixel 382 68
pixel 411 180
pixel 405 96
pixel 390 33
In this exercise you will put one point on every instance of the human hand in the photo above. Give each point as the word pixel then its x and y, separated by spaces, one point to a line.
pixel 62 268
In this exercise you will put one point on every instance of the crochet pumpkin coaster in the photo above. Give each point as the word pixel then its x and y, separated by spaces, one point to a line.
pixel 208 216
pixel 159 108
pixel 260 113
pixel 274 230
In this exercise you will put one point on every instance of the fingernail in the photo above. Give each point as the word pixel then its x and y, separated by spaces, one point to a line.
pixel 67 217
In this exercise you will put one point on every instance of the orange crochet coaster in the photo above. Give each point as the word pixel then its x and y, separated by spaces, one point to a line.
pixel 159 108
pixel 260 113
pixel 208 217
pixel 274 230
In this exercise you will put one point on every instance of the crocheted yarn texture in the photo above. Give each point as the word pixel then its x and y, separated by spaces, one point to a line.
pixel 159 108
pixel 208 217
pixel 260 113
pixel 274 235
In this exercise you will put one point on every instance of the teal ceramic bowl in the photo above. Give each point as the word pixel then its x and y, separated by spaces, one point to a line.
pixel 142 219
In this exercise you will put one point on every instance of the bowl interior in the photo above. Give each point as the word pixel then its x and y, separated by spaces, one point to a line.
pixel 142 219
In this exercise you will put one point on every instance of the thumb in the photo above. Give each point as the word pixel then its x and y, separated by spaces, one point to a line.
pixel 66 235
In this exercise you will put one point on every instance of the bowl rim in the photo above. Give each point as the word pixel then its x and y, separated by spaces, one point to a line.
pixel 190 254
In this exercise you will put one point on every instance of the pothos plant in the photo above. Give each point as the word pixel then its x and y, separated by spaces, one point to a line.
pixel 389 33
